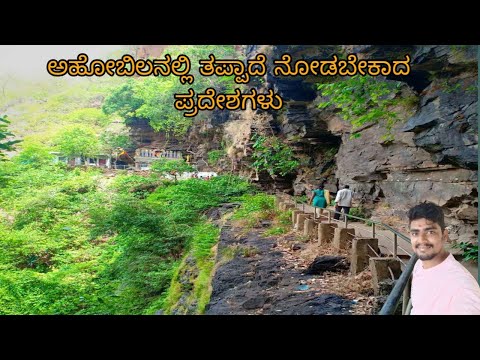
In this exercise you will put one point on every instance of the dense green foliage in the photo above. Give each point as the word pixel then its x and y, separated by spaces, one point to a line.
pixel 111 141
pixel 73 241
pixel 78 141
pixel 362 100
pixel 255 208
pixel 171 167
pixel 48 261
pixel 253 204
pixel 155 232
pixel 470 251
pixel 153 99
pixel 123 101
pixel 5 145
pixel 214 156
pixel 35 155
pixel 272 155
pixel 76 242
pixel 87 116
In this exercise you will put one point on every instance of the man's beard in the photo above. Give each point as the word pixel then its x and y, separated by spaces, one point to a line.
pixel 423 256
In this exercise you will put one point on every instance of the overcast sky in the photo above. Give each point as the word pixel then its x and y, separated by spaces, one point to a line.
pixel 31 60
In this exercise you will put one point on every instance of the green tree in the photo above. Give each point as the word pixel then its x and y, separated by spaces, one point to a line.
pixel 172 167
pixel 112 140
pixel 153 98
pixel 5 145
pixel 88 116
pixel 78 141
pixel 361 100
pixel 158 96
pixel 123 101
pixel 272 155
pixel 34 154
pixel 158 92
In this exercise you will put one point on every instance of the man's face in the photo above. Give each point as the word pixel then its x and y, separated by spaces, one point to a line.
pixel 427 238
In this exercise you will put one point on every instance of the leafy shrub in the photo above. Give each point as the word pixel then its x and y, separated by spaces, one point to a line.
pixel 69 246
pixel 470 251
pixel 35 155
pixel 200 195
pixel 171 167
pixel 214 156
pixel 44 209
pixel 272 155
pixel 138 185
pixel 255 206
pixel 359 212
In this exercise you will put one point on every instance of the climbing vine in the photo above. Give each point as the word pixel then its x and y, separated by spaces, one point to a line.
pixel 272 155
pixel 362 100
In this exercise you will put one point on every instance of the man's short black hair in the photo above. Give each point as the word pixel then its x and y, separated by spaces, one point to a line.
pixel 429 211
pixel 346 187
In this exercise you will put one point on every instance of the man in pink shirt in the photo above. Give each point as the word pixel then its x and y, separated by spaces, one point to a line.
pixel 440 285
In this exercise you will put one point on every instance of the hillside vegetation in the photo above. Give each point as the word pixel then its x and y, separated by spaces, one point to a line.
pixel 76 242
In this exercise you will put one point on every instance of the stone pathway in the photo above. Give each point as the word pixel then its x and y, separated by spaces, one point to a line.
pixel 265 276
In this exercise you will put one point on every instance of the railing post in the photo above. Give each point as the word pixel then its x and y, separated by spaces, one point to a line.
pixel 329 217
pixel 406 296
pixel 392 300
pixel 394 245
pixel 373 230
pixel 346 220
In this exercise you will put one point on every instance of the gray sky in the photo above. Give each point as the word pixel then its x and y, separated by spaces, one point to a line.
pixel 30 61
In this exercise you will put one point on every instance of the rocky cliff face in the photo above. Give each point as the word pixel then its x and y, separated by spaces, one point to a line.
pixel 433 156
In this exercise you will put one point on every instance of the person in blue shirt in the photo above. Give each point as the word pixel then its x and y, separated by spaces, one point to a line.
pixel 319 198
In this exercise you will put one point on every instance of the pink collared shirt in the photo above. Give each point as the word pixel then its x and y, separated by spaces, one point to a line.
pixel 445 289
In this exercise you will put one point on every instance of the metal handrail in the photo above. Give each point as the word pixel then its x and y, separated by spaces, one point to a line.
pixel 400 287
pixel 393 299
pixel 387 227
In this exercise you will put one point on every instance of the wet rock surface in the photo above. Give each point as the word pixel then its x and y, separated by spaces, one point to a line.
pixel 258 280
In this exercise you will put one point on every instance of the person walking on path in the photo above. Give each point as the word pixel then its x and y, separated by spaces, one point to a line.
pixel 319 198
pixel 440 284
pixel 343 200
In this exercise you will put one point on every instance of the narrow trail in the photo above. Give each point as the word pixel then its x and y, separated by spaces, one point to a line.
pixel 264 275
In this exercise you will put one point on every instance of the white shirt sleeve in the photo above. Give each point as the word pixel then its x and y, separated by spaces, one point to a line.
pixel 338 197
